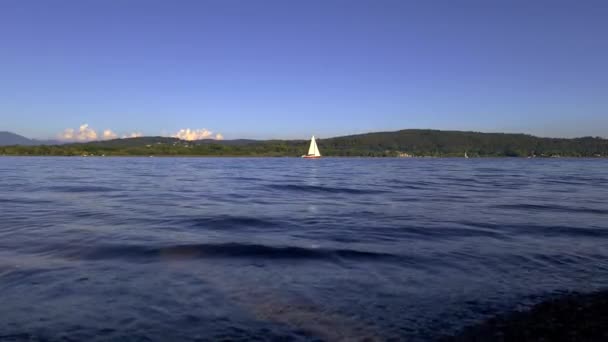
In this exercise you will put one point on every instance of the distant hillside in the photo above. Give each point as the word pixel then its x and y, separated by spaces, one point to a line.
pixel 9 138
pixel 411 142
pixel 456 143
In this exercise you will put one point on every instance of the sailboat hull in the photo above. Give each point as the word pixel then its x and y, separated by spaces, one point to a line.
pixel 311 157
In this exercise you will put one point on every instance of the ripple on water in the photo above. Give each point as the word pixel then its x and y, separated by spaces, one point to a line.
pixel 282 249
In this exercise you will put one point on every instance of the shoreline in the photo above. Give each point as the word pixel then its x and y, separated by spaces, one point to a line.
pixel 569 317
pixel 292 157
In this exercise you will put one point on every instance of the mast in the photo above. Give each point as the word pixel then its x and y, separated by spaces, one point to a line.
pixel 313 150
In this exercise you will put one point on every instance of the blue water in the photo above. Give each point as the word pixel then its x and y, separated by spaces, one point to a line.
pixel 160 249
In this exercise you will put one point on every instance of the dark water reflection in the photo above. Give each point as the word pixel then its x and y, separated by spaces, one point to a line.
pixel 157 249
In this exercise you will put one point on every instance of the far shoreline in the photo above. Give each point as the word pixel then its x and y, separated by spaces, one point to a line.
pixel 296 157
pixel 407 143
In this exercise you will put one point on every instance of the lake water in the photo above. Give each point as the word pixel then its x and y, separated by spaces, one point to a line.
pixel 160 249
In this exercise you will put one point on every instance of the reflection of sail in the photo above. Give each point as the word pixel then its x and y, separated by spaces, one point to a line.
pixel 313 150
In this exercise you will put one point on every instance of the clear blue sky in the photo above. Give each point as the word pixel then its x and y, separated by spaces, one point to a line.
pixel 288 69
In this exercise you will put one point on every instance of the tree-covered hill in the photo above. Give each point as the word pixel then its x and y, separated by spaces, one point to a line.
pixel 456 143
pixel 412 142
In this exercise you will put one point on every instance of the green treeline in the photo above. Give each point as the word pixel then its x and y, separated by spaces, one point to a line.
pixel 430 143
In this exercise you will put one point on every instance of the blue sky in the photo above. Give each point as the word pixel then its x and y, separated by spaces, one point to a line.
pixel 289 69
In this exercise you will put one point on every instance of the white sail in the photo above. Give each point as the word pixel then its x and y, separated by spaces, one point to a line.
pixel 313 150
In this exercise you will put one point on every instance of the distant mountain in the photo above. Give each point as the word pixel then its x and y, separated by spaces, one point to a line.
pixel 9 138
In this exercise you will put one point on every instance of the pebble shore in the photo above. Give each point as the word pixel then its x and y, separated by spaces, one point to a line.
pixel 573 317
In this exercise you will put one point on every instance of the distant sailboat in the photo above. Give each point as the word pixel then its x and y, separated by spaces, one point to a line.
pixel 313 150
pixel 466 155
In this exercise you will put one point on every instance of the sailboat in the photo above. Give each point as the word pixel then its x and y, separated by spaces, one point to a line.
pixel 313 150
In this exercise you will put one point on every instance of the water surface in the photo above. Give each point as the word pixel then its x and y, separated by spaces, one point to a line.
pixel 157 249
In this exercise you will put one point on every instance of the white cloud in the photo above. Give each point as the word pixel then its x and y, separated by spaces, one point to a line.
pixel 108 134
pixel 84 133
pixel 133 135
pixel 68 134
pixel 196 134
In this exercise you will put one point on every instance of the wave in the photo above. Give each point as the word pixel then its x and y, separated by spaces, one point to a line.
pixel 319 188
pixel 228 222
pixel 222 250
pixel 552 208
pixel 80 188
pixel 25 201
pixel 548 231
pixel 541 231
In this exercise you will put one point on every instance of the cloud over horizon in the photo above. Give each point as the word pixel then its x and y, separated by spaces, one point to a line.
pixel 197 134
pixel 85 133
pixel 108 135
pixel 132 135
